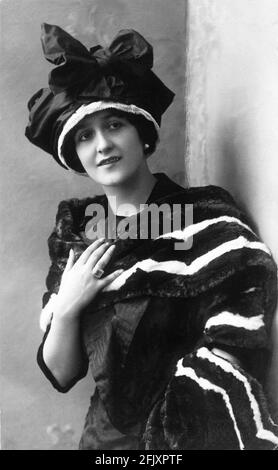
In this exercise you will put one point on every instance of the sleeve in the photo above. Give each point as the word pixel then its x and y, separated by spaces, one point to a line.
pixel 211 403
pixel 58 252
pixel 48 374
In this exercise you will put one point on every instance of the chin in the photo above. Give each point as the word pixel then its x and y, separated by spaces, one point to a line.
pixel 114 178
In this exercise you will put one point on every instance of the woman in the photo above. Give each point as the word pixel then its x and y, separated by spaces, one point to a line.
pixel 173 324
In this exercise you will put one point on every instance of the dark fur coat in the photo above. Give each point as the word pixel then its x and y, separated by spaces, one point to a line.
pixel 152 337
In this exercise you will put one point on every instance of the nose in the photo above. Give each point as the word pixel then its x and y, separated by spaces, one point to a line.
pixel 103 143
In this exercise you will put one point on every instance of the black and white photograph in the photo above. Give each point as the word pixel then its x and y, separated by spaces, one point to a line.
pixel 139 227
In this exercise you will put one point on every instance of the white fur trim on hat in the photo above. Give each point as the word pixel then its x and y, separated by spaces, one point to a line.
pixel 94 107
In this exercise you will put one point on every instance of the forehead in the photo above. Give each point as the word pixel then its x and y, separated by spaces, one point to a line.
pixel 98 118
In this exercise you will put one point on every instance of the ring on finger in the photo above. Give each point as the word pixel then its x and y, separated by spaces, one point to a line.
pixel 97 273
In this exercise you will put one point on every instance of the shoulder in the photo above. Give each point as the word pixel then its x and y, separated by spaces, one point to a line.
pixel 209 202
pixel 194 194
pixel 203 195
pixel 211 193
pixel 74 206
pixel 71 212
pixel 70 217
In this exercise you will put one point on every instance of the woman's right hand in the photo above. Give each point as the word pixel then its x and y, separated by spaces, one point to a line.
pixel 78 284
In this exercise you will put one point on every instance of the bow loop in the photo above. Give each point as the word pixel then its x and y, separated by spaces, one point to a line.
pixel 59 46
pixel 73 59
pixel 129 45
pixel 79 67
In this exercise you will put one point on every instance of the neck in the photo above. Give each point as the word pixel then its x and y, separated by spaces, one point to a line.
pixel 125 199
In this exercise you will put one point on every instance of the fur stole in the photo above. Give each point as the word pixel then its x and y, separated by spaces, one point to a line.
pixel 227 270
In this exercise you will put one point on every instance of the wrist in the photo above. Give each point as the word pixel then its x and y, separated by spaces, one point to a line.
pixel 63 311
pixel 62 320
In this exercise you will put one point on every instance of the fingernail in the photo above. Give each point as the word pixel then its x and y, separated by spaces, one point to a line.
pixel 111 245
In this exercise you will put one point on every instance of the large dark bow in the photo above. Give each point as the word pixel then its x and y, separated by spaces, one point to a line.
pixel 78 67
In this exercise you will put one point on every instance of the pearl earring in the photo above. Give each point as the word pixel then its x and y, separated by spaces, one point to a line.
pixel 146 146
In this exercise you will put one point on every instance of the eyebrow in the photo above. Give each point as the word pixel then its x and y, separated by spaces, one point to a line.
pixel 111 114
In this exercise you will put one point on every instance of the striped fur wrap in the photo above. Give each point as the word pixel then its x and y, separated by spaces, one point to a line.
pixel 228 281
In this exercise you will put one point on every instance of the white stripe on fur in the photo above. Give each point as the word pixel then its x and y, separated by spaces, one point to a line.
pixel 229 357
pixel 236 320
pixel 191 230
pixel 272 422
pixel 178 267
pixel 207 385
pixel 228 367
pixel 251 289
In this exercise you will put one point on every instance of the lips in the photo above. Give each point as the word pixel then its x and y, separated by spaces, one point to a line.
pixel 109 160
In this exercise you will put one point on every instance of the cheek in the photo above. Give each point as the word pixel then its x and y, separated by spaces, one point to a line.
pixel 85 154
pixel 135 146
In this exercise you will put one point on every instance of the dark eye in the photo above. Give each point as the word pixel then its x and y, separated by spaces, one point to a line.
pixel 84 135
pixel 114 125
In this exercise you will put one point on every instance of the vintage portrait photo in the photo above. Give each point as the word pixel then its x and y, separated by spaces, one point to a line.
pixel 139 204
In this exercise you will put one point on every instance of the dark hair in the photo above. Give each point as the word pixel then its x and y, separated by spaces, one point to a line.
pixel 145 128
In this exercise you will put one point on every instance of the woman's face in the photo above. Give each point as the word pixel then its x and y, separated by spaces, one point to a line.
pixel 109 148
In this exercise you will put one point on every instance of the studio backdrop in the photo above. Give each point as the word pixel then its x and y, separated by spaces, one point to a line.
pixel 221 59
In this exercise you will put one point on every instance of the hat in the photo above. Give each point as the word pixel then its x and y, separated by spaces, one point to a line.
pixel 86 81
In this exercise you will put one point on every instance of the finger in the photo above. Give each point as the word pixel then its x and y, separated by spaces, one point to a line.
pixel 100 256
pixel 110 278
pixel 70 261
pixel 87 253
